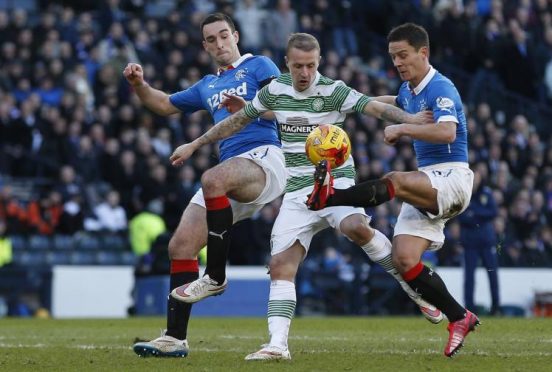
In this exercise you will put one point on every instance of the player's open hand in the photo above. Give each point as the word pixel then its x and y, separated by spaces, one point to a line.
pixel 134 74
pixel 182 153
pixel 424 117
pixel 392 133
pixel 233 103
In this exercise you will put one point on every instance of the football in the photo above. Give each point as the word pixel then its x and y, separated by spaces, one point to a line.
pixel 328 142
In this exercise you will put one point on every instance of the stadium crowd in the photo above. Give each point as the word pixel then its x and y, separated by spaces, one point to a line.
pixel 96 160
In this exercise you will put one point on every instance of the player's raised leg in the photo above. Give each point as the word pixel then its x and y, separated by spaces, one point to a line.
pixel 244 181
pixel 378 248
pixel 366 194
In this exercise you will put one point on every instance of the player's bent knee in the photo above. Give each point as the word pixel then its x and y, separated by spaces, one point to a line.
pixel 282 270
pixel 397 180
pixel 404 261
pixel 210 179
pixel 357 229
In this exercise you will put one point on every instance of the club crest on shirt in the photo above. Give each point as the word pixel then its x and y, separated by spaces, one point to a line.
pixel 318 104
pixel 444 104
pixel 240 74
pixel 422 106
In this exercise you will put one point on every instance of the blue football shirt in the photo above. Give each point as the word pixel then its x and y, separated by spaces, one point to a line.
pixel 248 75
pixel 438 94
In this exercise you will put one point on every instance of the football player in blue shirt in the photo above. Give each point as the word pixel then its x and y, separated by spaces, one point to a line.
pixel 251 173
pixel 439 190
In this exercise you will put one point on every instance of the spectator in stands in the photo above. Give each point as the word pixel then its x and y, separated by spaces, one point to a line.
pixel 127 179
pixel 55 149
pixel 478 238
pixel 452 253
pixel 71 220
pixel 86 160
pixel 5 245
pixel 281 22
pixel 145 227
pixel 43 215
pixel 69 183
pixel 518 65
pixel 251 20
pixel 109 215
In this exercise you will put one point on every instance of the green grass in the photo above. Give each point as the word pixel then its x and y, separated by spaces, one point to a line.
pixel 316 344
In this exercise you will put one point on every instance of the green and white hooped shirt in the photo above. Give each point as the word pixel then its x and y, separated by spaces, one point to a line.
pixel 325 102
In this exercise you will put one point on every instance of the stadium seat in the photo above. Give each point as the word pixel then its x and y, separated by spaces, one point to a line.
pixel 63 242
pixel 87 242
pixel 127 258
pixel 82 258
pixel 39 242
pixel 19 242
pixel 57 258
pixel 30 258
pixel 107 258
pixel 114 242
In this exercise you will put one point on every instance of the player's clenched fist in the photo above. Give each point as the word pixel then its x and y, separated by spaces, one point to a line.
pixel 134 74
pixel 392 133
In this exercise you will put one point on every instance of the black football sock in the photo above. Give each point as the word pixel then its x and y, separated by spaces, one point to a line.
pixel 365 194
pixel 219 222
pixel 178 313
pixel 431 287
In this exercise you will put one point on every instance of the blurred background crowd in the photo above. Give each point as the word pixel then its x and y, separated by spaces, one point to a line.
pixel 84 166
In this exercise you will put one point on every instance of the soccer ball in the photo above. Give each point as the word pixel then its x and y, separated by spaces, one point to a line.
pixel 328 142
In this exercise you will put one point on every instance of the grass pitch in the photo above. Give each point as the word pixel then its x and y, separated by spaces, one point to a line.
pixel 316 344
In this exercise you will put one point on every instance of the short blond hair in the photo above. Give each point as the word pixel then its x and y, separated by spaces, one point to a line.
pixel 302 41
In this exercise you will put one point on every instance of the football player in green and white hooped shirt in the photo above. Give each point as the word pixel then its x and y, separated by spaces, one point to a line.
pixel 301 100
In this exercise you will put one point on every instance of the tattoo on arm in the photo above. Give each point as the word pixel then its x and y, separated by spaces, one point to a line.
pixel 225 128
pixel 395 115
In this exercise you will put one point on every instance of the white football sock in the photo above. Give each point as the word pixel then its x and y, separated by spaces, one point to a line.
pixel 281 307
pixel 379 251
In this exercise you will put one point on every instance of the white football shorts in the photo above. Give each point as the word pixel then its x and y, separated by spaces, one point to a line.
pixel 296 222
pixel 271 159
pixel 454 183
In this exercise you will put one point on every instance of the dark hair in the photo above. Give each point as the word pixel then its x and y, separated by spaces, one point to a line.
pixel 413 34
pixel 302 41
pixel 217 17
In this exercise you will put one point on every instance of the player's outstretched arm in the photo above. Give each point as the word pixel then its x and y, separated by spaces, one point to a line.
pixel 223 129
pixel 154 99
pixel 233 103
pixel 394 114
pixel 442 132
pixel 390 100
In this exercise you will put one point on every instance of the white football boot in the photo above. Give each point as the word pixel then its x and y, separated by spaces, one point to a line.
pixel 164 346
pixel 268 352
pixel 198 290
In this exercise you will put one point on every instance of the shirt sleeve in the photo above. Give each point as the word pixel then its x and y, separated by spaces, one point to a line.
pixel 398 101
pixel 443 99
pixel 266 71
pixel 262 103
pixel 188 100
pixel 350 100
